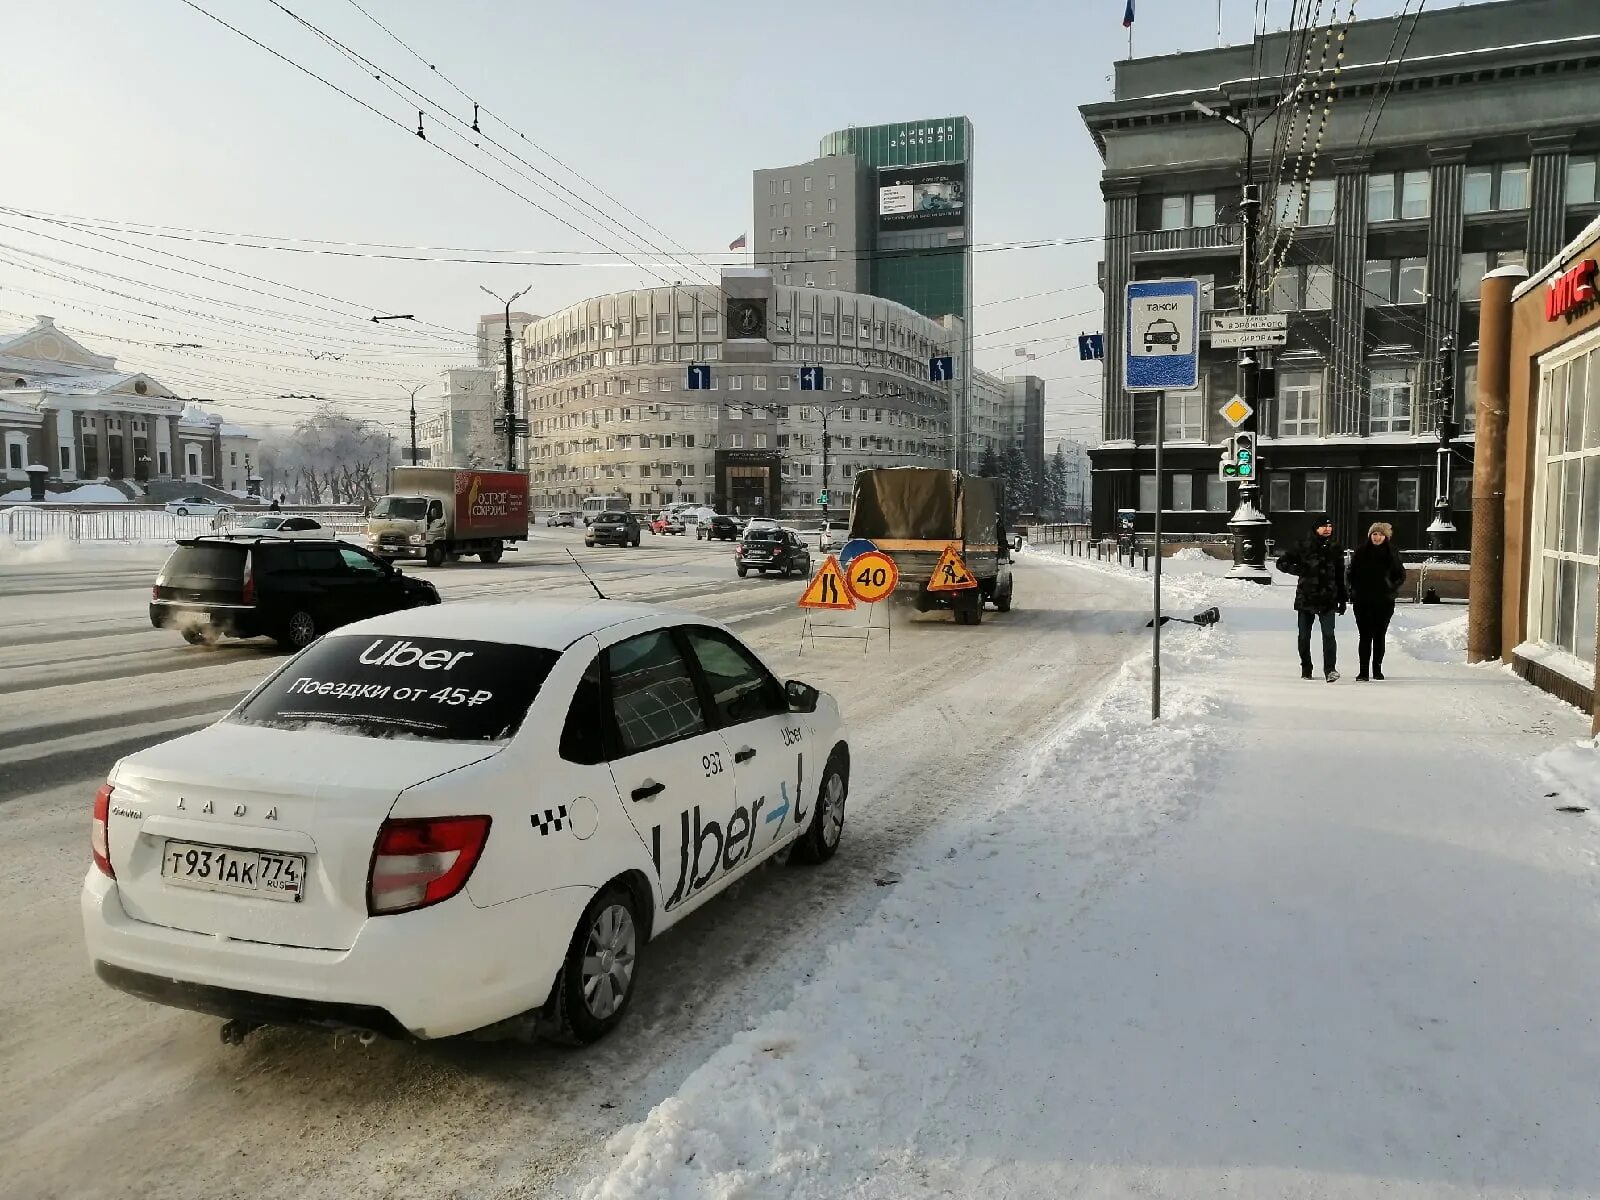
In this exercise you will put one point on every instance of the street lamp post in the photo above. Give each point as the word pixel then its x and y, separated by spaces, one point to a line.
pixel 1248 523
pixel 1444 394
pixel 511 391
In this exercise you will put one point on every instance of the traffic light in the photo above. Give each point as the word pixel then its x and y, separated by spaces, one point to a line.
pixel 1244 455
pixel 1239 458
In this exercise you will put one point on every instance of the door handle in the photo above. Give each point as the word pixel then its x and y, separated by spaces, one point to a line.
pixel 648 789
pixel 744 755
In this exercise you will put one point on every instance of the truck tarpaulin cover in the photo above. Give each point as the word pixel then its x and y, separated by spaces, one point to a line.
pixel 925 504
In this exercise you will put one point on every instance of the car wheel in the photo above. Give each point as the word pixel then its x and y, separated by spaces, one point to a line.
pixel 742 572
pixel 299 632
pixel 493 555
pixel 1002 602
pixel 183 512
pixel 636 541
pixel 601 970
pixel 820 841
pixel 435 555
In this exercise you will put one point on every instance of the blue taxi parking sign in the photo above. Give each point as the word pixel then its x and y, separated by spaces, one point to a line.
pixel 1161 335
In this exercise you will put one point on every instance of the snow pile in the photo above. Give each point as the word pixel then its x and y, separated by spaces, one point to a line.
pixel 12 553
pixel 1574 772
pixel 948 971
pixel 89 493
pixel 1429 639
pixel 1191 554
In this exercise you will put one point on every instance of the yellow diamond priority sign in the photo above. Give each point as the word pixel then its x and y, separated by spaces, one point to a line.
pixel 1236 412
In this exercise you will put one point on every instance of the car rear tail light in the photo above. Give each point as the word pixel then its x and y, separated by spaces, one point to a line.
pixel 99 839
pixel 249 596
pixel 421 862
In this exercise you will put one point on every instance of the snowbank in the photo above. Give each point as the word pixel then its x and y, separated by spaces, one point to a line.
pixel 1431 632
pixel 1574 772
pixel 970 939
pixel 89 493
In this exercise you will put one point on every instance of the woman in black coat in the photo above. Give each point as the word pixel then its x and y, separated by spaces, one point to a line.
pixel 1375 575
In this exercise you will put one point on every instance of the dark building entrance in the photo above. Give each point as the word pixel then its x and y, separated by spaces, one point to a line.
pixel 748 482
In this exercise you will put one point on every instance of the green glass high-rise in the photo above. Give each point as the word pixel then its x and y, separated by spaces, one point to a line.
pixel 919 237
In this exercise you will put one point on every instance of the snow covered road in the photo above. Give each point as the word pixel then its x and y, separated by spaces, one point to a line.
pixel 101 1095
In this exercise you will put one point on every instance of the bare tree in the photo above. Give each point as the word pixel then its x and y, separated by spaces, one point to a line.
pixel 330 458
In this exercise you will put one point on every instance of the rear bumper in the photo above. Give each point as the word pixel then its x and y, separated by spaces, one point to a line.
pixel 235 620
pixel 433 973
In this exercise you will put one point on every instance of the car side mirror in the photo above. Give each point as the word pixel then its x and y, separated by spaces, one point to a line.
pixel 802 696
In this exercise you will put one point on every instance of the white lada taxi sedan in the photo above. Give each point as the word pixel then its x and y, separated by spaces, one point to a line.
pixel 455 818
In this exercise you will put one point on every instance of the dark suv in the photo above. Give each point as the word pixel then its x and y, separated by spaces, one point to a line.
pixel 294 591
pixel 769 549
pixel 613 528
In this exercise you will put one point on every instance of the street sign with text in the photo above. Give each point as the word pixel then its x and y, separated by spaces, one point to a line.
pixel 1248 322
pixel 1248 339
pixel 1161 337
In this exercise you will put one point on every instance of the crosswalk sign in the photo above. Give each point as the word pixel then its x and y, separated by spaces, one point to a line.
pixel 950 573
pixel 828 588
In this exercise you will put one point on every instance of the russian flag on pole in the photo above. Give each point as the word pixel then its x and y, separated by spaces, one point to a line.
pixel 738 243
pixel 1127 16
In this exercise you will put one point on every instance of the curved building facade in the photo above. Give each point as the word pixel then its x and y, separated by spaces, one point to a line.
pixel 610 410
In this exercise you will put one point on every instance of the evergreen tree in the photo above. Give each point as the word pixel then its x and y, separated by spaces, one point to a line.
pixel 988 465
pixel 1018 479
pixel 1057 484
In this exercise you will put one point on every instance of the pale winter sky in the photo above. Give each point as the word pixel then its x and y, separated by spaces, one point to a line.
pixel 148 111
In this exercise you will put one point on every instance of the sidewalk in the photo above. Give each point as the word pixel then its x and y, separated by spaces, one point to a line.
pixel 1300 939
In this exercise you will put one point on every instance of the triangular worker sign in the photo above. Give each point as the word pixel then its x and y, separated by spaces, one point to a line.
pixel 827 588
pixel 950 573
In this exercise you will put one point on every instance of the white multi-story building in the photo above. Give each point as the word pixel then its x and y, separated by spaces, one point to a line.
pixel 460 432
pixel 610 411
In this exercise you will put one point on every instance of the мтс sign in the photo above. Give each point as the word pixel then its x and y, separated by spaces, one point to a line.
pixel 1570 291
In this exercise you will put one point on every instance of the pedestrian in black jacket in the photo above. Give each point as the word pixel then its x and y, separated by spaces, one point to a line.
pixel 1319 593
pixel 1375 576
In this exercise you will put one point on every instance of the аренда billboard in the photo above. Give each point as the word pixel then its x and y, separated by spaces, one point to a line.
pixel 922 197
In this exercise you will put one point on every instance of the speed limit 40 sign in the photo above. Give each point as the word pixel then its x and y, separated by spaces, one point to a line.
pixel 872 576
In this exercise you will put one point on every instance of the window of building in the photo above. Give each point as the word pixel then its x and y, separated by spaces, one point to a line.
pixel 1316 493
pixel 1390 392
pixel 1381 197
pixel 1467 401
pixel 1182 492
pixel 1318 288
pixel 1566 528
pixel 1582 187
pixel 1474 266
pixel 808 183
pixel 1299 403
pixel 686 323
pixel 1498 187
pixel 1188 211
pixel 786 186
pixel 1411 281
pixel 833 279
pixel 1367 494
pixel 708 324
pixel 784 383
pixel 1377 282
pixel 833 182
pixel 1216 494
pixel 16 448
pixel 663 323
pixel 736 441
pixel 1186 415
pixel 1406 490
pixel 1147 493
pixel 827 323
pixel 831 206
pixel 760 441
pixel 1278 493
pixel 1319 202
pixel 1461 491
pixel 807 323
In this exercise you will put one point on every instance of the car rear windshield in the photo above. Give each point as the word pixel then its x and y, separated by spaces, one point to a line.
pixel 614 517
pixel 764 535
pixel 401 508
pixel 204 562
pixel 381 686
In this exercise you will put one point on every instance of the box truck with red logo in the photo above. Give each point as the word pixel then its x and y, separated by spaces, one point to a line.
pixel 439 514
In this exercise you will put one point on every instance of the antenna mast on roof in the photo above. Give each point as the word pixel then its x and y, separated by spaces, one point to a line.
pixel 585 574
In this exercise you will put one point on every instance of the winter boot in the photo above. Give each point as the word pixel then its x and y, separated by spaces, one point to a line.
pixel 1377 666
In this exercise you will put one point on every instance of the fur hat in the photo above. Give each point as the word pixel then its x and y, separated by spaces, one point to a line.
pixel 1382 527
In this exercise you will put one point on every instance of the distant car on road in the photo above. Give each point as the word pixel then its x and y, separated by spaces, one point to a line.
pixel 440 821
pixel 612 528
pixel 774 549
pixel 215 587
pixel 717 528
pixel 197 506
pixel 277 525
pixel 1161 333
pixel 564 518
pixel 666 523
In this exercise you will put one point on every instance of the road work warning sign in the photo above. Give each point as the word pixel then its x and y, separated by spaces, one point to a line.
pixel 950 573
pixel 828 588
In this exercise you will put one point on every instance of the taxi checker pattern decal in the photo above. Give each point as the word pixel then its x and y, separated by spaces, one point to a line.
pixel 551 820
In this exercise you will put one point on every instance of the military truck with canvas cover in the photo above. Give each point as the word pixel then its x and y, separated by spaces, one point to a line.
pixel 913 513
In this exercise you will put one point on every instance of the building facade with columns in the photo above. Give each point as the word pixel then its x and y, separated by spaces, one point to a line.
pixel 1389 190
pixel 611 413
pixel 66 408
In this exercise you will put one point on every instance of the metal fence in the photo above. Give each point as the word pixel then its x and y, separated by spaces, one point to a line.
pixel 142 523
